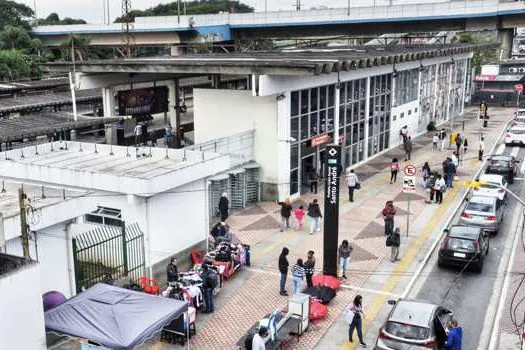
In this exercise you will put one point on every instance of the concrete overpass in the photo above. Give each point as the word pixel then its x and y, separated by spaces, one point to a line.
pixel 440 15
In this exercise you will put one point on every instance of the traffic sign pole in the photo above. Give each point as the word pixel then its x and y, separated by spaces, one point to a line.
pixel 519 90
pixel 409 186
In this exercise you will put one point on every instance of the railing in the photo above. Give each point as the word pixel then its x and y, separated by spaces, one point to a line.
pixel 238 146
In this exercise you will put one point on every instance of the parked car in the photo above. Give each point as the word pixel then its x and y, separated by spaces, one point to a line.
pixel 519 117
pixel 414 324
pixel 515 135
pixel 464 245
pixel 482 211
pixel 503 165
pixel 491 186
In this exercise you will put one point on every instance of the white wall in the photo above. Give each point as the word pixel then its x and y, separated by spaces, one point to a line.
pixel 410 120
pixel 220 113
pixel 22 322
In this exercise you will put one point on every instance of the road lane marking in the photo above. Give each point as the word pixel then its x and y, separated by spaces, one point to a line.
pixel 500 149
pixel 519 178
pixel 522 168
pixel 514 152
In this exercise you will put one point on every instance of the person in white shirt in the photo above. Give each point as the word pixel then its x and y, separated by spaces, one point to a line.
pixel 435 140
pixel 137 131
pixel 352 181
pixel 439 186
pixel 481 148
pixel 259 340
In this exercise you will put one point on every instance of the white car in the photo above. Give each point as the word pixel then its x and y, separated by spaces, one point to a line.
pixel 491 186
pixel 515 135
pixel 519 118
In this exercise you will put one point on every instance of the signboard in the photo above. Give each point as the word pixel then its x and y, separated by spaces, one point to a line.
pixel 331 210
pixel 519 88
pixel 490 69
pixel 409 184
pixel 410 170
pixel 143 101
pixel 319 140
pixel 485 77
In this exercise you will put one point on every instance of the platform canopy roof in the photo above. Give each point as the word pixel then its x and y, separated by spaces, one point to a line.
pixel 32 85
pixel 310 61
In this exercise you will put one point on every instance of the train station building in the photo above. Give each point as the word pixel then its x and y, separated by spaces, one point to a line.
pixel 293 96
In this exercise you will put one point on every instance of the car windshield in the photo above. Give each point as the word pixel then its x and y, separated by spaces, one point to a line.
pixel 520 114
pixel 517 131
pixel 406 331
pixel 483 207
pixel 459 244
pixel 499 163
pixel 490 185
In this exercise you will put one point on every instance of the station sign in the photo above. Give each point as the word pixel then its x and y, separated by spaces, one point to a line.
pixel 319 140
pixel 331 210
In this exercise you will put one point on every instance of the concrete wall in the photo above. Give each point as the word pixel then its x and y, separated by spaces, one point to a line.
pixel 220 113
pixel 409 120
pixel 22 322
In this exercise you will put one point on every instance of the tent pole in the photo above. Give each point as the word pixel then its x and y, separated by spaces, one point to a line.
pixel 188 328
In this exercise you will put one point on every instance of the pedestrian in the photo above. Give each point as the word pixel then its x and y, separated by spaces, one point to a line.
pixel 481 148
pixel 443 138
pixel 171 271
pixel 455 160
pixel 408 148
pixel 137 131
pixel 309 268
pixel 314 212
pixel 286 212
pixel 426 172
pixel 168 134
pixel 144 133
pixel 430 184
pixel 439 187
pixel 465 146
pixel 435 140
pixel 313 179
pixel 352 181
pixel 394 168
pixel 259 339
pixel 395 242
pixel 283 269
pixel 298 274
pixel 454 336
pixel 459 143
pixel 449 169
pixel 404 133
pixel 389 211
pixel 299 214
pixel 224 205
pixel 355 311
pixel 344 256
pixel 209 282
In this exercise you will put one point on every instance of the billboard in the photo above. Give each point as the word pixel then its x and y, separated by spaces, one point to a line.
pixel 143 101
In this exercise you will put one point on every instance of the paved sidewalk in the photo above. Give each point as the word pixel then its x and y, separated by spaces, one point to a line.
pixel 252 293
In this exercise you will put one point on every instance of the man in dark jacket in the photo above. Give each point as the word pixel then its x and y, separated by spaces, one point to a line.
pixel 224 205
pixel 283 269
pixel 209 282
pixel 408 148
pixel 449 169
pixel 388 215
pixel 314 212
pixel 172 271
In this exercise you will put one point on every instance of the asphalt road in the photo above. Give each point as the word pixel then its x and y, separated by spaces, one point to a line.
pixel 468 294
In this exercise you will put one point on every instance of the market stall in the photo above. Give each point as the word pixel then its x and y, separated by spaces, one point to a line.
pixel 116 318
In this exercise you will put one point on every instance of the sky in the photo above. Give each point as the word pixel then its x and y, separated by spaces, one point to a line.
pixel 92 10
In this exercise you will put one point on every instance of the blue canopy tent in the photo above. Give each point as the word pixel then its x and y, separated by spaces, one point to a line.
pixel 114 317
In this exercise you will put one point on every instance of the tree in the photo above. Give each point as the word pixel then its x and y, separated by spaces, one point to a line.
pixel 14 65
pixel 54 19
pixel 14 14
pixel 80 45
pixel 15 37
pixel 481 56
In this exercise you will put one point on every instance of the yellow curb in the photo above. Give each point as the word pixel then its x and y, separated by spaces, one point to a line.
pixel 373 309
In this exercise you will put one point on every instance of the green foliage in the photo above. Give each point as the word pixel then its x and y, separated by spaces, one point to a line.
pixel 14 65
pixel 80 45
pixel 15 37
pixel 481 56
pixel 14 14
pixel 195 7
pixel 54 19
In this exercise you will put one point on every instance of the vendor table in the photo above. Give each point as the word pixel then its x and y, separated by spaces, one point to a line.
pixel 292 325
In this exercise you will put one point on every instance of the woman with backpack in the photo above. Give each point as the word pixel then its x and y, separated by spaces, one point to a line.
pixel 314 212
pixel 394 168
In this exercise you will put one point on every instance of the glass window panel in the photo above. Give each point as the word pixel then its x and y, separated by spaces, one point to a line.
pixel 342 93
pixel 294 128
pixel 314 95
pixel 295 103
pixel 362 110
pixel 313 124
pixel 322 97
pixel 350 91
pixel 387 139
pixel 304 127
pixel 348 136
pixel 306 151
pixel 322 121
pixel 355 157
pixel 370 126
pixel 294 181
pixel 330 120
pixel 348 156
pixel 370 147
pixel 341 116
pixel 355 133
pixel 341 135
pixel 304 101
pixel 331 92
pixel 294 156
pixel 361 131
pixel 381 142
pixel 355 111
pixel 361 150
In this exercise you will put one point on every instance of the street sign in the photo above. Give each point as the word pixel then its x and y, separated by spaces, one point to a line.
pixel 410 170
pixel 519 88
pixel 409 184
pixel 331 210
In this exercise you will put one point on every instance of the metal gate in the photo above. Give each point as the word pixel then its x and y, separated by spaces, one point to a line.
pixel 108 253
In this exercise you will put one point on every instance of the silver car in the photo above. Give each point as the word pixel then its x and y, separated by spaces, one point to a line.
pixel 485 212
pixel 415 325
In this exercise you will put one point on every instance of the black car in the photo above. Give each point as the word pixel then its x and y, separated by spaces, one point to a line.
pixel 464 245
pixel 503 165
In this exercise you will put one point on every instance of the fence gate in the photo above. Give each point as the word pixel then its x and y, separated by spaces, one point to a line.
pixel 108 253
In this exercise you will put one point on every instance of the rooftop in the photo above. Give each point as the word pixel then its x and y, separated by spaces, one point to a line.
pixel 143 171
pixel 312 61
pixel 49 99
pixel 32 84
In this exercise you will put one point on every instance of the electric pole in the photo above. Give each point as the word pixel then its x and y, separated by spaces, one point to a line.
pixel 128 37
pixel 23 222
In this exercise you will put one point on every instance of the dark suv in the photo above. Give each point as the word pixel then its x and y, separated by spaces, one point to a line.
pixel 503 165
pixel 464 245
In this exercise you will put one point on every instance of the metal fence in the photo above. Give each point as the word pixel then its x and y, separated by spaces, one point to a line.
pixel 238 146
pixel 108 253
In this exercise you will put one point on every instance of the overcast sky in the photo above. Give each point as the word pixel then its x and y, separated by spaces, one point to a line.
pixel 91 10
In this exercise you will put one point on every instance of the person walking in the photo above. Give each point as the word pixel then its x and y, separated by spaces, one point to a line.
pixel 355 310
pixel 137 131
pixel 209 283
pixel 439 187
pixel 144 133
pixel 298 274
pixel 443 138
pixel 426 171
pixel 224 205
pixel 283 269
pixel 314 212
pixel 395 242
pixel 435 140
pixel 404 133
pixel 286 212
pixel 394 169
pixel 299 214
pixel 408 148
pixel 465 146
pixel 344 256
pixel 454 336
pixel 459 143
pixel 313 179
pixel 168 135
pixel 389 211
pixel 171 271
pixel 309 268
pixel 352 180
pixel 481 148
pixel 449 170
